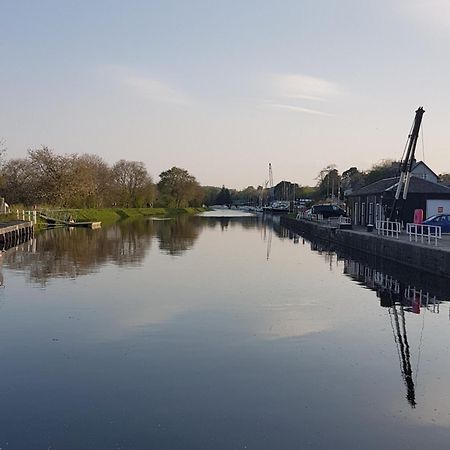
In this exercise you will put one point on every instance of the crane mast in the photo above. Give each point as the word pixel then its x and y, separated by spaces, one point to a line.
pixel 271 190
pixel 407 162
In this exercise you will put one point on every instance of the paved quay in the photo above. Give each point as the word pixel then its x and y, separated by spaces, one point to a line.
pixel 443 243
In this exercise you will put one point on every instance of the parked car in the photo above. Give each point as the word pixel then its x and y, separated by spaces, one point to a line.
pixel 328 210
pixel 441 220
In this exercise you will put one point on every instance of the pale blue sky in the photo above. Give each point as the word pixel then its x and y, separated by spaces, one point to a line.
pixel 223 88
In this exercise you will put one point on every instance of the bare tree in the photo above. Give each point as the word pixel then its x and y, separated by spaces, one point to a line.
pixel 134 185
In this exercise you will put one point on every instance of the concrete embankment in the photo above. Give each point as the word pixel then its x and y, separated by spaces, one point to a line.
pixel 435 260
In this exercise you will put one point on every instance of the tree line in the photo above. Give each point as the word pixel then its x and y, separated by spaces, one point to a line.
pixel 87 181
pixel 44 177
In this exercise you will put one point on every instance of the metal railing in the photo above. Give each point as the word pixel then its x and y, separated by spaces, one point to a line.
pixel 388 228
pixel 344 220
pixel 424 233
pixel 305 216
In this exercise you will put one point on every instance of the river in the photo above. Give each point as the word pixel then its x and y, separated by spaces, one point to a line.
pixel 217 332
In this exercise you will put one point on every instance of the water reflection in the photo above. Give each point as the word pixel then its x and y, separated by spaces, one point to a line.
pixel 176 236
pixel 71 252
pixel 399 293
pixel 205 343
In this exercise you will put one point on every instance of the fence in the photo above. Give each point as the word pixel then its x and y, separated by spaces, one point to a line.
pixel 344 220
pixel 424 233
pixel 388 228
pixel 31 216
pixel 307 216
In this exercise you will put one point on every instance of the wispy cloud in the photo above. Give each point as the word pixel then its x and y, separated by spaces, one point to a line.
pixel 291 92
pixel 298 86
pixel 149 87
pixel 296 109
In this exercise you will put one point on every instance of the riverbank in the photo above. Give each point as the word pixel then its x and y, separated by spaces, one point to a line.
pixel 108 215
pixel 111 215
pixel 431 259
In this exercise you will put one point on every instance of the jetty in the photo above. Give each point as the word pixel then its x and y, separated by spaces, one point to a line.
pixel 69 222
pixel 424 256
pixel 15 232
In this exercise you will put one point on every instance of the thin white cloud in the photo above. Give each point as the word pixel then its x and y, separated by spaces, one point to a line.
pixel 291 91
pixel 304 87
pixel 149 87
pixel 297 109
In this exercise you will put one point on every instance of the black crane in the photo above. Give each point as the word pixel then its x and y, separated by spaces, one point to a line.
pixel 407 161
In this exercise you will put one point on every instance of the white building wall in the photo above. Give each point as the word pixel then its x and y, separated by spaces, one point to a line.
pixel 437 207
pixel 422 171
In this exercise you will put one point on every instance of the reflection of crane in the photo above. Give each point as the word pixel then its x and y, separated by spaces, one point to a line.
pixel 408 160
pixel 262 194
pixel 398 299
pixel 401 339
pixel 267 236
pixel 269 243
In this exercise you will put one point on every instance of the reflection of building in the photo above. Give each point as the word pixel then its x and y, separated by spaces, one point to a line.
pixel 398 298
pixel 390 290
pixel 397 294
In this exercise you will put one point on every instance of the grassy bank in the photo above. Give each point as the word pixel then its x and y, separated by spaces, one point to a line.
pixel 110 215
pixel 105 215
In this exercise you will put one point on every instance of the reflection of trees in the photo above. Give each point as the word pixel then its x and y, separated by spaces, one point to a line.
pixel 71 252
pixel 224 222
pixel 178 235
pixel 64 252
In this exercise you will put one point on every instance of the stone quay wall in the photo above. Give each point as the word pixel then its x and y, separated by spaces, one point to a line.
pixel 428 258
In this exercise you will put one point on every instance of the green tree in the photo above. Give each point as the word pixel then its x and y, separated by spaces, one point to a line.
pixel 352 179
pixel 444 178
pixel 177 187
pixel 387 168
pixel 210 194
pixel 223 197
pixel 328 183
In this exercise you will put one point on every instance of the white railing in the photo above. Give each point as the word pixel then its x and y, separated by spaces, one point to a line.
pixel 424 233
pixel 388 228
pixel 31 216
pixel 339 220
pixel 344 220
pixel 303 215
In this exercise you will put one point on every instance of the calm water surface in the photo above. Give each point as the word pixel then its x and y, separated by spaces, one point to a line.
pixel 217 333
